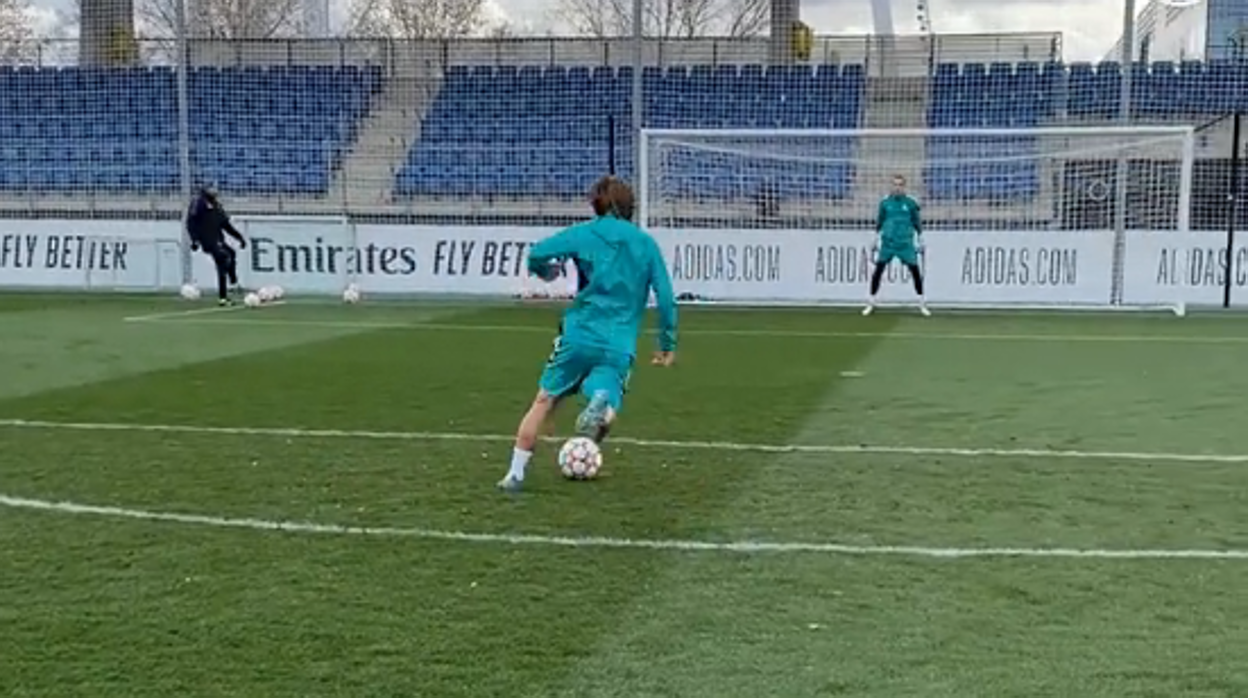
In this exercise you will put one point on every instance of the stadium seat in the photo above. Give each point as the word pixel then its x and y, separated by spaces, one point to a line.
pixel 542 130
pixel 115 130
pixel 557 127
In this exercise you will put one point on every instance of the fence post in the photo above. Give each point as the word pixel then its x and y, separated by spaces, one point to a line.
pixel 611 144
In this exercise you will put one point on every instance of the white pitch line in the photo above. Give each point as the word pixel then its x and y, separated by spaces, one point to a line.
pixel 673 545
pixel 796 334
pixel 194 312
pixel 295 432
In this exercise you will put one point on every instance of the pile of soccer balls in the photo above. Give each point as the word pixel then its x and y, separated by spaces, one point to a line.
pixel 580 458
pixel 266 294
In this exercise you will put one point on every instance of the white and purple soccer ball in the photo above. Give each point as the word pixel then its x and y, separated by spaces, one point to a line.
pixel 251 300
pixel 580 458
pixel 267 293
pixel 190 292
pixel 351 294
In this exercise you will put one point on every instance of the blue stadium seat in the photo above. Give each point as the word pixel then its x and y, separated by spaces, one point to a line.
pixel 541 130
pixel 996 169
pixel 115 130
pixel 552 125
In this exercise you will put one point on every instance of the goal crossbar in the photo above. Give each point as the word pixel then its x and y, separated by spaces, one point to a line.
pixel 1018 194
pixel 921 132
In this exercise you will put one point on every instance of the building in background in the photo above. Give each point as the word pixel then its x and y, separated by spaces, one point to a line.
pixel 1207 30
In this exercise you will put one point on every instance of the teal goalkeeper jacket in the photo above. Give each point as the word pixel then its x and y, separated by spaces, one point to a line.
pixel 619 264
pixel 898 220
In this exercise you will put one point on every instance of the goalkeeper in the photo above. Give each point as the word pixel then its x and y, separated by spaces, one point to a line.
pixel 619 265
pixel 205 222
pixel 900 231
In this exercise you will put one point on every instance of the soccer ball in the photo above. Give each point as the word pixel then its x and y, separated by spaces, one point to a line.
pixel 278 292
pixel 190 292
pixel 351 294
pixel 266 294
pixel 580 458
pixel 251 300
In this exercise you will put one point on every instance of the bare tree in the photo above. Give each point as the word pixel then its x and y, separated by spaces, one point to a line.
pixel 16 33
pixel 417 19
pixel 205 19
pixel 667 19
pixel 222 19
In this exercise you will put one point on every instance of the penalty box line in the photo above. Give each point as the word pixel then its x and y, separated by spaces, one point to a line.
pixel 598 542
pixel 862 449
pixel 196 312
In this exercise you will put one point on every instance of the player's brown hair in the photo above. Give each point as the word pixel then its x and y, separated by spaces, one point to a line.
pixel 612 196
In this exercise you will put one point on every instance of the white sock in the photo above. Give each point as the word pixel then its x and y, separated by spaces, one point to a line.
pixel 519 459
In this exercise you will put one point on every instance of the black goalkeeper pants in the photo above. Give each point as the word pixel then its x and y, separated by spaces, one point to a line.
pixel 227 268
pixel 878 277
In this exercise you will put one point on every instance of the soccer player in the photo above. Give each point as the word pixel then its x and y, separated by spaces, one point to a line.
pixel 619 265
pixel 900 231
pixel 205 222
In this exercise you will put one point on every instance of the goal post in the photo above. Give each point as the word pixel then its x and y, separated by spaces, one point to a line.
pixel 562 287
pixel 1013 217
pixel 73 261
pixel 313 255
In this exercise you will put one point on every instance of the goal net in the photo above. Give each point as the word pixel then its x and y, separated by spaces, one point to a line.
pixel 314 255
pixel 45 256
pixel 1043 217
pixel 564 286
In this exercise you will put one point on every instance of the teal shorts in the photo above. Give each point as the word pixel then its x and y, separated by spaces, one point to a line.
pixel 571 368
pixel 907 253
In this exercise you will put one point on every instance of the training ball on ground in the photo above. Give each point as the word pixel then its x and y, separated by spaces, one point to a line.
pixel 251 300
pixel 580 458
pixel 278 293
pixel 351 294
pixel 265 294
pixel 190 292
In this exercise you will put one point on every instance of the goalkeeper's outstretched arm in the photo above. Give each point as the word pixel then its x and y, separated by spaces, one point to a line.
pixel 665 298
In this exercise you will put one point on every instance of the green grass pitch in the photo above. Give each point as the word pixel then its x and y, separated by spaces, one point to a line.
pixel 982 505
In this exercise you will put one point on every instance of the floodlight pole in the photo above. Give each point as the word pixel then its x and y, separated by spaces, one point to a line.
pixel 638 103
pixel 1127 59
pixel 611 144
pixel 184 132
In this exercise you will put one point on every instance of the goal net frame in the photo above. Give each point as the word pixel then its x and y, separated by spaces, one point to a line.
pixel 562 287
pixel 312 236
pixel 1180 138
pixel 91 263
pixel 165 266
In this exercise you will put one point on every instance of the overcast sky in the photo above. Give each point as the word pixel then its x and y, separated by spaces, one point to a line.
pixel 1089 27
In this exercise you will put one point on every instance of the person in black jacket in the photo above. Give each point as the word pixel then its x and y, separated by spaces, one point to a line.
pixel 206 221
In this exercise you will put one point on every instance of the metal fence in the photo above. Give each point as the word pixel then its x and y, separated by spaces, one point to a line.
pixel 916 53
pixel 307 141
